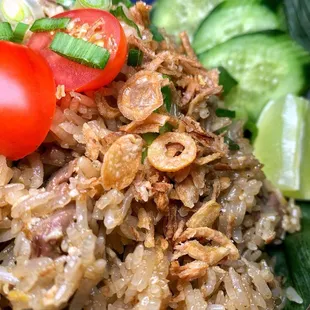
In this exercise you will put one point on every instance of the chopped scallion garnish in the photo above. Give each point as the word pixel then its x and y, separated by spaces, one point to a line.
pixel 165 76
pixel 232 145
pixel 49 24
pixel 13 11
pixel 19 32
pixel 66 3
pixel 225 113
pixel 94 4
pixel 157 36
pixel 144 155
pixel 135 57
pixel 149 137
pixel 80 51
pixel 119 13
pixel 221 130
pixel 166 128
pixel 127 3
pixel 166 91
pixel 6 32
pixel 226 80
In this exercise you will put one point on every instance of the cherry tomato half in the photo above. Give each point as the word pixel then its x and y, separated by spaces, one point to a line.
pixel 76 76
pixel 27 100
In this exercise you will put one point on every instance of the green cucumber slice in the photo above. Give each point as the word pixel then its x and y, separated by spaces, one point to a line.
pixel 179 15
pixel 233 18
pixel 267 65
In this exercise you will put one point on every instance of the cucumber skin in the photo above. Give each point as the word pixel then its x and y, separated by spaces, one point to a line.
pixel 179 15
pixel 248 16
pixel 289 65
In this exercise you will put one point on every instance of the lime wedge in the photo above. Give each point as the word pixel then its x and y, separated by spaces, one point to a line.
pixel 282 145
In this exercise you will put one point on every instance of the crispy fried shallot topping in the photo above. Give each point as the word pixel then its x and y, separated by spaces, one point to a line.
pixel 121 162
pixel 141 95
pixel 158 157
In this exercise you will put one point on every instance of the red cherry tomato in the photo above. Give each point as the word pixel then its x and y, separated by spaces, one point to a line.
pixel 76 76
pixel 27 100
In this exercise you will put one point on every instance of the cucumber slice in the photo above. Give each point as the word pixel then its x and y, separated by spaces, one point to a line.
pixel 219 26
pixel 267 65
pixel 179 15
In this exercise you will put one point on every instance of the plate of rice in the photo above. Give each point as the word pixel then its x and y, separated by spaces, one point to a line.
pixel 144 194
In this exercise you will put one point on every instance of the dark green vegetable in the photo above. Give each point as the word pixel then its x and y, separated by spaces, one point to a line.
pixel 118 12
pixel 166 128
pixel 225 113
pixel 297 251
pixel 221 130
pixel 49 24
pixel 232 145
pixel 80 51
pixel 298 19
pixel 166 91
pixel 19 32
pixel 157 36
pixel 226 80
pixel 135 57
pixel 149 137
pixel 127 3
pixel 281 269
pixel 144 155
pixel 6 32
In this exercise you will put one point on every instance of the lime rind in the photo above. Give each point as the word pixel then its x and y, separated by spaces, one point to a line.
pixel 282 145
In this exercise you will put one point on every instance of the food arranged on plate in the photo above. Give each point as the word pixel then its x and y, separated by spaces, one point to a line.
pixel 126 179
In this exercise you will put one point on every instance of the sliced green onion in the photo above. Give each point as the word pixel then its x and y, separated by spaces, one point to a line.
pixel 49 24
pixel 157 36
pixel 165 76
pixel 13 11
pixel 127 3
pixel 225 113
pixel 80 51
pixel 166 128
pixel 66 3
pixel 149 137
pixel 19 32
pixel 221 130
pixel 166 91
pixel 135 57
pixel 144 155
pixel 232 145
pixel 94 4
pixel 6 32
pixel 226 80
pixel 119 13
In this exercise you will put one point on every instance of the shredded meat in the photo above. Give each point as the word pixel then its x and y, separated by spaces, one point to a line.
pixel 47 233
